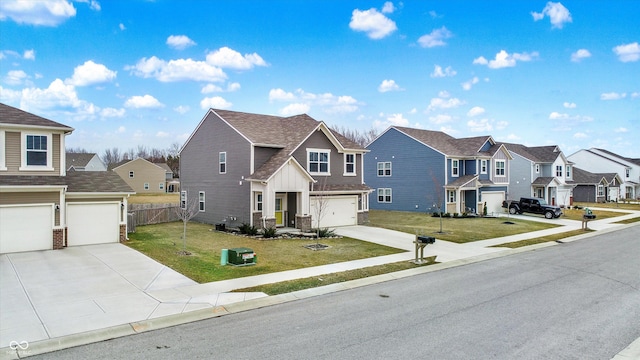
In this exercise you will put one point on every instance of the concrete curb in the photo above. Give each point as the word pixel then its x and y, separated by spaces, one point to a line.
pixel 50 345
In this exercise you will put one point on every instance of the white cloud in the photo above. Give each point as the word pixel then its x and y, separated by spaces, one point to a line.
pixel 121 129
pixel 434 14
pixel 557 13
pixel 628 52
pixel 435 38
pixel 162 134
pixel 388 7
pixel 580 54
pixel 441 119
pixel 215 102
pixel 569 105
pixel 397 120
pixel 112 112
pixel 180 42
pixel 475 111
pixel 501 125
pixel 15 77
pixel 613 96
pixel 143 102
pixel 580 135
pixel 182 109
pixel 177 70
pixel 234 86
pixel 122 27
pixel 444 94
pixel 440 103
pixel 389 85
pixel 482 125
pixel 330 103
pixel 635 95
pixel 621 130
pixel 504 59
pixel 91 73
pixel 93 4
pixel 45 13
pixel 468 84
pixel 294 109
pixel 228 58
pixel 438 72
pixel 566 117
pixel 281 95
pixel 371 22
pixel 210 88
pixel 59 99
pixel 29 55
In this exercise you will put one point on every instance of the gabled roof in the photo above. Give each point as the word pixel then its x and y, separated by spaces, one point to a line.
pixel 611 154
pixel 537 154
pixel 124 162
pixel 583 177
pixel 544 181
pixel 284 133
pixel 76 182
pixel 448 145
pixel 165 167
pixel 79 159
pixel 13 116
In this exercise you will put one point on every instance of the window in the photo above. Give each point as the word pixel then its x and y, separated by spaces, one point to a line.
pixel 384 168
pixel 222 160
pixel 568 171
pixel 318 161
pixel 36 150
pixel 384 195
pixel 600 190
pixel 500 165
pixel 146 186
pixel 349 164
pixel 627 173
pixel 483 166
pixel 258 201
pixel 201 200
pixel 183 199
pixel 537 168
pixel 451 196
pixel 558 170
pixel 161 186
pixel 130 174
pixel 454 168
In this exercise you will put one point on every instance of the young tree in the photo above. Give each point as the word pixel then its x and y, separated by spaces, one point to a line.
pixel 186 211
pixel 321 202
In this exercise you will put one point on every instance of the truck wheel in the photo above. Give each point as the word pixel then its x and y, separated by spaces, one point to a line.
pixel 548 215
pixel 512 211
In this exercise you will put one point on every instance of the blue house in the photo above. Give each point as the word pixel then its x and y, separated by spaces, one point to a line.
pixel 422 170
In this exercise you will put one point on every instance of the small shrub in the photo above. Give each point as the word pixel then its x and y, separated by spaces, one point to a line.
pixel 455 215
pixel 446 215
pixel 269 232
pixel 248 229
pixel 324 233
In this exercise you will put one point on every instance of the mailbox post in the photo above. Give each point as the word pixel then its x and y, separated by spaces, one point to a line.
pixel 588 216
pixel 421 241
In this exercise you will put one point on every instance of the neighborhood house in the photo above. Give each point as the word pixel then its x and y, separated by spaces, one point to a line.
pixel 44 207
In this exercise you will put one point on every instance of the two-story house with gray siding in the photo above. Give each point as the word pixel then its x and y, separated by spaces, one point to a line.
pixel 422 170
pixel 42 207
pixel 541 171
pixel 271 171
pixel 604 161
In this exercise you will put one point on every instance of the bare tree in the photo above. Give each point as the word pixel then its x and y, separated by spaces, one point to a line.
pixel 321 203
pixel 185 212
pixel 77 150
pixel 362 138
pixel 111 156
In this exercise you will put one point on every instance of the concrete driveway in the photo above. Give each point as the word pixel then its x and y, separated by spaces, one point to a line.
pixel 49 294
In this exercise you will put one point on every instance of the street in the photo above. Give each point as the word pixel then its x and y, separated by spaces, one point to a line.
pixel 578 300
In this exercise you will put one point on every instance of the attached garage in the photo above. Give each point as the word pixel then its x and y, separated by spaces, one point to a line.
pixel 26 228
pixel 91 223
pixel 338 211
pixel 494 201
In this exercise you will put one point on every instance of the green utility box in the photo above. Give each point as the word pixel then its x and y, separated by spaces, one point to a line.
pixel 241 256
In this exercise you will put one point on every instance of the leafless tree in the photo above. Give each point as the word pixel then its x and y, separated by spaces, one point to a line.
pixel 111 156
pixel 77 150
pixel 321 203
pixel 362 138
pixel 185 212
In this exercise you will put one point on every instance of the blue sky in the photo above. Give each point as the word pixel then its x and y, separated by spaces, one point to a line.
pixel 129 73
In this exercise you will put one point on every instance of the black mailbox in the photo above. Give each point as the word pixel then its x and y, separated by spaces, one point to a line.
pixel 425 239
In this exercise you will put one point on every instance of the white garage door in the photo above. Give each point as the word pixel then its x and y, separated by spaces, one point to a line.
pixel 92 223
pixel 26 228
pixel 494 201
pixel 339 211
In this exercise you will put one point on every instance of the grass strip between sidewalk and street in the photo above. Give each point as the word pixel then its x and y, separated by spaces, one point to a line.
pixel 542 239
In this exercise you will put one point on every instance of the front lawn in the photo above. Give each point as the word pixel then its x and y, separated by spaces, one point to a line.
pixel 458 230
pixel 163 243
pixel 576 214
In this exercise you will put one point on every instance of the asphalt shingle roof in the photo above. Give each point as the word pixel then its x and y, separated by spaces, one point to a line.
pixel 11 115
pixel 78 159
pixel 76 181
pixel 447 144
pixel 538 154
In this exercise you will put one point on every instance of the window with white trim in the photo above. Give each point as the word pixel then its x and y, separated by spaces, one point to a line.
pixel 537 168
pixel 384 195
pixel 222 162
pixel 131 174
pixel 600 190
pixel 627 173
pixel 384 168
pixel 455 167
pixel 161 186
pixel 568 171
pixel 483 166
pixel 318 161
pixel 558 170
pixel 37 151
pixel 146 186
pixel 451 196
pixel 183 199
pixel 349 164
pixel 500 167
pixel 258 201
pixel 201 199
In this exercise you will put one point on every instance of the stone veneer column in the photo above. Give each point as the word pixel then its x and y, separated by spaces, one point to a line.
pixel 303 222
pixel 123 233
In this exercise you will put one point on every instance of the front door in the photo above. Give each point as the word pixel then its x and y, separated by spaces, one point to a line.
pixel 279 211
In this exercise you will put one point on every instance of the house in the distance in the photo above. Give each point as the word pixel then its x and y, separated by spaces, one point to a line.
pixel 143 176
pixel 541 171
pixel 603 161
pixel 423 170
pixel 84 162
pixel 271 171
pixel 44 207
pixel 590 187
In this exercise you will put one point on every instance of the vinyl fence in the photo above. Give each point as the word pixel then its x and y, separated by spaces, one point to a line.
pixel 147 214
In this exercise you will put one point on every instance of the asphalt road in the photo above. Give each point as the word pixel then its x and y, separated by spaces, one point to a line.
pixel 579 300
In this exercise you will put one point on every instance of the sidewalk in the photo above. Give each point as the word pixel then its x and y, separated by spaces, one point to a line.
pixel 168 299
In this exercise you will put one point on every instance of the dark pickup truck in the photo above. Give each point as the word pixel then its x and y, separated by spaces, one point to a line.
pixel 533 206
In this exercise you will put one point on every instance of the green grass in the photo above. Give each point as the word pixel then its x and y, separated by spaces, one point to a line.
pixel 543 239
pixel 611 205
pixel 628 221
pixel 163 243
pixel 576 214
pixel 326 279
pixel 460 230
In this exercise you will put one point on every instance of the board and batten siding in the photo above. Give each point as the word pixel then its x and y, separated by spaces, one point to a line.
pixel 521 177
pixel 227 196
pixel 500 155
pixel 417 173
